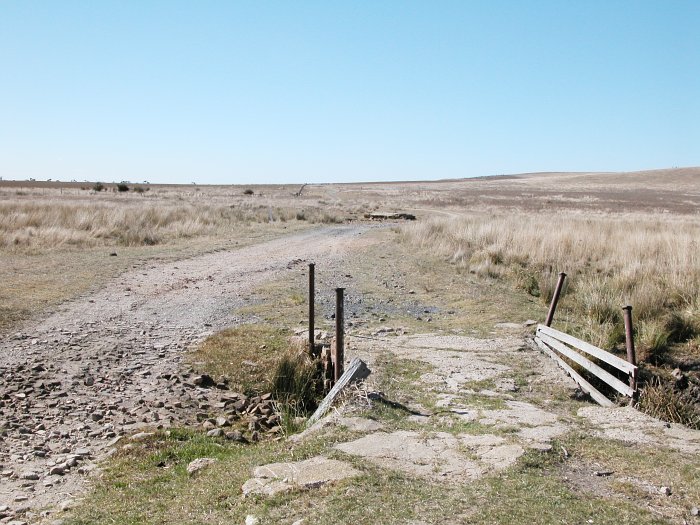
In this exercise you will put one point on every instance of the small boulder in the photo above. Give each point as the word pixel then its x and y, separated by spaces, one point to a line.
pixel 141 436
pixel 199 464
pixel 236 435
pixel 204 381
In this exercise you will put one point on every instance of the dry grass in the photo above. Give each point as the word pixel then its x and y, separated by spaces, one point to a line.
pixel 55 238
pixel 246 355
pixel 40 224
pixel 667 403
pixel 296 381
pixel 649 261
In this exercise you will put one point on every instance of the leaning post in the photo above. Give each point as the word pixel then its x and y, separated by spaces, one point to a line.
pixel 339 356
pixel 312 295
pixel 629 343
pixel 555 299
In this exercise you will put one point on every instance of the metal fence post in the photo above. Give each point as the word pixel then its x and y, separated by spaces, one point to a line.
pixel 629 343
pixel 312 298
pixel 555 299
pixel 339 356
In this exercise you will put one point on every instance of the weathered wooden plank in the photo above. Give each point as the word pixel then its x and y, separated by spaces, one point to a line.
pixel 585 385
pixel 588 348
pixel 588 365
pixel 356 372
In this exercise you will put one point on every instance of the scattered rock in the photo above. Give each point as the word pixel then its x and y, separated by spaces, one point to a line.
pixel 141 436
pixel 508 326
pixel 603 473
pixel 67 505
pixel 199 464
pixel 58 470
pixel 204 381
pixel 236 435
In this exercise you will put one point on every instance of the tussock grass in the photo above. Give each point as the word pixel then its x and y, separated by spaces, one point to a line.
pixel 43 224
pixel 649 261
pixel 295 381
pixel 663 401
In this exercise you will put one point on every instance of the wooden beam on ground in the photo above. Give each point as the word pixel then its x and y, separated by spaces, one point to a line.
pixel 357 371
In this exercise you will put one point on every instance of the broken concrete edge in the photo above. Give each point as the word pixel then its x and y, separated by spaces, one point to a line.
pixel 357 371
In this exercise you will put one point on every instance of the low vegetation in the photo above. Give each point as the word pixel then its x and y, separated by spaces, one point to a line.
pixel 41 225
pixel 259 358
pixel 651 262
pixel 246 355
pixel 296 381
pixel 149 485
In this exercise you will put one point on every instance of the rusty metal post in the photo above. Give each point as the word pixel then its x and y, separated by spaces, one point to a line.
pixel 629 343
pixel 312 298
pixel 555 299
pixel 339 357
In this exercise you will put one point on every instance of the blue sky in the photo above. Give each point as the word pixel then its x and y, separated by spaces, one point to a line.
pixel 319 91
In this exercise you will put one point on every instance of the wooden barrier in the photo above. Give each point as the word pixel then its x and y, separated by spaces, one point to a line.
pixel 557 344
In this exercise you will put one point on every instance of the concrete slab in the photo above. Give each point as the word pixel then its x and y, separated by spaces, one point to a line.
pixel 311 473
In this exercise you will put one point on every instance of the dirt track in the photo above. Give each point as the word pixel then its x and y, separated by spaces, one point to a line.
pixel 108 364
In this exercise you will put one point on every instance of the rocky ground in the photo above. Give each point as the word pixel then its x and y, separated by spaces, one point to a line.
pixel 108 365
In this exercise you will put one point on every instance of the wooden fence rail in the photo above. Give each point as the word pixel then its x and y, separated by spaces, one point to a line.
pixel 558 344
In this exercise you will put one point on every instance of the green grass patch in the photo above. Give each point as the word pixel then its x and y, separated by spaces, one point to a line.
pixel 149 483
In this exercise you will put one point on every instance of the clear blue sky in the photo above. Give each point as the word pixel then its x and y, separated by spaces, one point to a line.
pixel 324 91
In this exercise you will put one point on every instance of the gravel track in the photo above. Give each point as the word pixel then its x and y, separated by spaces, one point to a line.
pixel 108 364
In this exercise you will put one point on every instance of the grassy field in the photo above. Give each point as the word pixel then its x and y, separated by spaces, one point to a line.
pixel 650 262
pixel 482 252
pixel 58 241
pixel 622 238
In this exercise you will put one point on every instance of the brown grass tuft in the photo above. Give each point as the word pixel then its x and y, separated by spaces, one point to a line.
pixel 661 400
